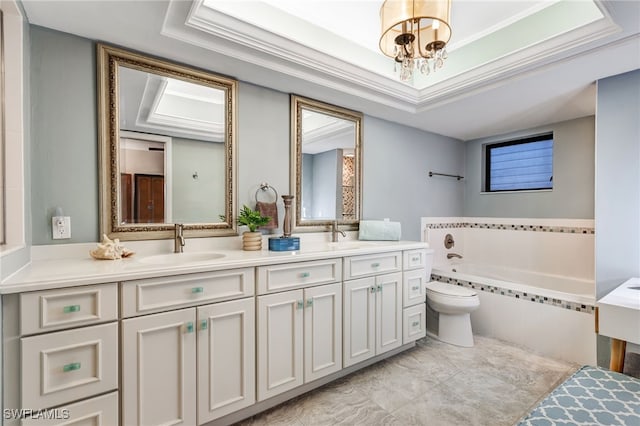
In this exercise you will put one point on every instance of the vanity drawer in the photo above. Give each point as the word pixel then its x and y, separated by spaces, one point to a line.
pixel 414 259
pixel 65 366
pixel 287 276
pixel 414 323
pixel 99 411
pixel 161 294
pixel 371 264
pixel 67 307
pixel 414 287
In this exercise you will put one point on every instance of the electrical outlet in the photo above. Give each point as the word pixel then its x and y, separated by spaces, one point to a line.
pixel 61 227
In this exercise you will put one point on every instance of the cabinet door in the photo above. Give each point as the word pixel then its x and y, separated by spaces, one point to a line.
pixel 388 312
pixel 280 344
pixel 359 320
pixel 322 331
pixel 159 369
pixel 226 358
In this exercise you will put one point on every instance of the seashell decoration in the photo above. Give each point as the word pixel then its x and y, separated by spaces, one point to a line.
pixel 110 249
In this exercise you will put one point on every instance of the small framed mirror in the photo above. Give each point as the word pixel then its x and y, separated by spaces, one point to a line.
pixel 167 148
pixel 326 164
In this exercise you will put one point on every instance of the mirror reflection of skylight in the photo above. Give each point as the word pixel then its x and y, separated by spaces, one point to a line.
pixel 189 101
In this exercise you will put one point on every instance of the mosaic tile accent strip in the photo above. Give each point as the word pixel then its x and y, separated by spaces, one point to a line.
pixel 535 298
pixel 511 227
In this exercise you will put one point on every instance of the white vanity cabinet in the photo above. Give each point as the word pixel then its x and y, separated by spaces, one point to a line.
pixel 299 331
pixel 372 306
pixel 65 353
pixel 191 365
pixel 414 279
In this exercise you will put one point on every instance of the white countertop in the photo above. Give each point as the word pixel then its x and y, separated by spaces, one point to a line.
pixel 620 312
pixel 57 272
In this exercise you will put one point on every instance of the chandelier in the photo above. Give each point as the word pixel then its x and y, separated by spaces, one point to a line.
pixel 415 33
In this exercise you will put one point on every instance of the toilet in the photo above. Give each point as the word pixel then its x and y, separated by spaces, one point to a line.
pixel 453 305
pixel 449 306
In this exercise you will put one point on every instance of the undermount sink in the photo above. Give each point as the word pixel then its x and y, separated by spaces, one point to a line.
pixel 181 258
pixel 348 245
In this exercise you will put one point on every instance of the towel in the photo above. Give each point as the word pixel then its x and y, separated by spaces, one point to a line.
pixel 379 230
pixel 271 210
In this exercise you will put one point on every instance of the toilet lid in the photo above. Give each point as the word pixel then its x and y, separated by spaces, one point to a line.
pixel 450 290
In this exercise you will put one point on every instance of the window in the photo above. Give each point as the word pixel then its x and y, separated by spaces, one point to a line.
pixel 520 165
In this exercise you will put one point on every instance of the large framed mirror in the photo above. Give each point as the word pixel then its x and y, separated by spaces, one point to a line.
pixel 167 148
pixel 326 164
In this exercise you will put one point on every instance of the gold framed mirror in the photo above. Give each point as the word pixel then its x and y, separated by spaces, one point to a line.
pixel 326 164
pixel 167 148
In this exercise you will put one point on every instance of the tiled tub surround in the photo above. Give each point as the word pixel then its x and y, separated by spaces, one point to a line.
pixel 534 278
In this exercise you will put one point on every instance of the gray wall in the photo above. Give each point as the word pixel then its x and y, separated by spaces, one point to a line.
pixel 396 184
pixel 64 149
pixel 64 164
pixel 573 177
pixel 201 199
pixel 617 181
pixel 617 207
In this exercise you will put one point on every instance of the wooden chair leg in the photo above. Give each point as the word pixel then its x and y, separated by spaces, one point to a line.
pixel 618 348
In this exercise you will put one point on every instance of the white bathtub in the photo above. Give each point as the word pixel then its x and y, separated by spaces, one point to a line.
pixel 550 314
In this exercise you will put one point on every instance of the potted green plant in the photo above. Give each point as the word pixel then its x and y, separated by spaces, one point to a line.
pixel 252 239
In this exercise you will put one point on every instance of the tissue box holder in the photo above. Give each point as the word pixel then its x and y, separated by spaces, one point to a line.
pixel 379 230
pixel 284 244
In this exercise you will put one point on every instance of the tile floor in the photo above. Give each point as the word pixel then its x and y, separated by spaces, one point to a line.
pixel 491 384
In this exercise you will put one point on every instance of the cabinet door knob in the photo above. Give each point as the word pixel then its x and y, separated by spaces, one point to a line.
pixel 197 290
pixel 372 289
pixel 415 287
pixel 71 367
pixel 71 308
pixel 189 327
pixel 415 259
pixel 300 304
pixel 379 287
pixel 309 303
pixel 204 324
pixel 416 323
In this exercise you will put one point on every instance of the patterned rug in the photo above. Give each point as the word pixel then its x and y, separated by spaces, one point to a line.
pixel 591 396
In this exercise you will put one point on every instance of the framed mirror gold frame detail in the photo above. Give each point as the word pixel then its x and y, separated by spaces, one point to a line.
pixel 111 61
pixel 318 128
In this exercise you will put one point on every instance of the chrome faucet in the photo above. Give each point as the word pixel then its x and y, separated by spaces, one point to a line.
pixel 452 255
pixel 178 238
pixel 335 231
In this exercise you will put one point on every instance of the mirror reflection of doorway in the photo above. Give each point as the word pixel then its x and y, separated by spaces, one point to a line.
pixel 148 199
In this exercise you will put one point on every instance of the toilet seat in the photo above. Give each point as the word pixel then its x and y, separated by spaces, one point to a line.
pixel 449 289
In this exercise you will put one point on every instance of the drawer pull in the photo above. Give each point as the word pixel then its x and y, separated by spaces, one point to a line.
pixel 305 275
pixel 415 323
pixel 71 308
pixel 203 324
pixel 189 327
pixel 71 367
pixel 415 259
pixel 375 264
pixel 309 303
pixel 415 288
pixel 197 290
pixel 300 304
